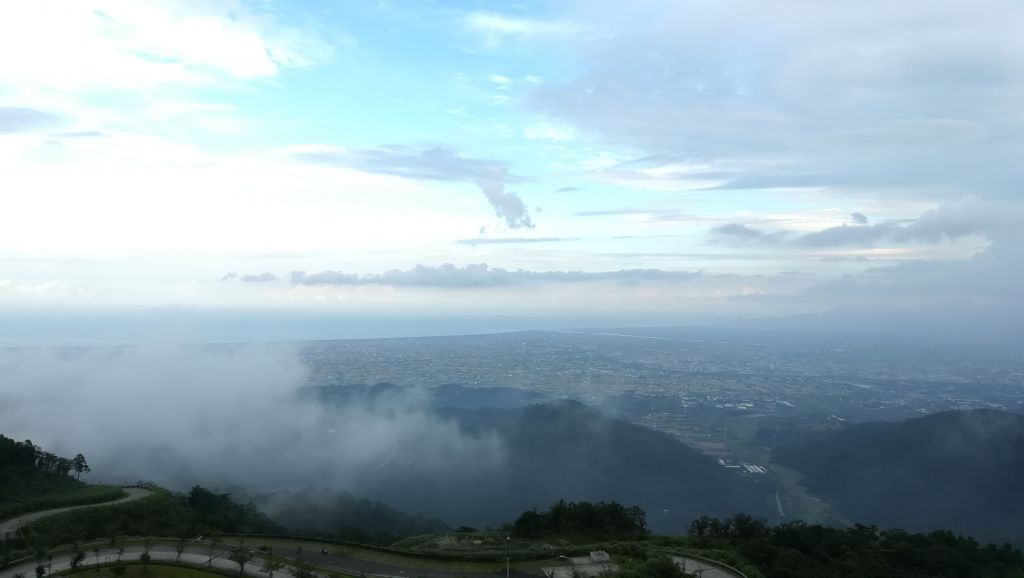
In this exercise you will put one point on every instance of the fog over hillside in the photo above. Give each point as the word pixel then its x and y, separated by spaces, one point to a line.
pixel 225 415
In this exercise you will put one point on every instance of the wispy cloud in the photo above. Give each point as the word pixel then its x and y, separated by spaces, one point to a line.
pixel 17 119
pixel 495 28
pixel 513 240
pixel 438 164
pixel 250 277
pixel 143 44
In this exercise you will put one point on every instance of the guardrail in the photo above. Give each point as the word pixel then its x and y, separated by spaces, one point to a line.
pixel 334 542
pixel 719 564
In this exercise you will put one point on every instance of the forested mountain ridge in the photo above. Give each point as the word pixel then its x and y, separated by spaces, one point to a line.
pixel 567 450
pixel 962 470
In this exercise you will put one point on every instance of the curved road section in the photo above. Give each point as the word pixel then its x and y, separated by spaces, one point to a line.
pixel 11 525
pixel 215 555
pixel 703 568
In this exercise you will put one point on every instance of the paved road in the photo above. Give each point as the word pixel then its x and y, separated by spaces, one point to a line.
pixel 195 555
pixel 9 526
pixel 702 568
pixel 203 553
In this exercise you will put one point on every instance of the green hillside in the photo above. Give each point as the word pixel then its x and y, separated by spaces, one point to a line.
pixel 962 470
pixel 566 450
pixel 34 479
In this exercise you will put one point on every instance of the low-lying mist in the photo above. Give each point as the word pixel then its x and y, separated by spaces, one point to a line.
pixel 224 416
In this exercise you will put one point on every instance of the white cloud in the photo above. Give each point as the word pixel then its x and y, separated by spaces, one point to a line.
pixel 922 100
pixel 550 132
pixel 500 80
pixel 128 44
pixel 129 194
pixel 495 28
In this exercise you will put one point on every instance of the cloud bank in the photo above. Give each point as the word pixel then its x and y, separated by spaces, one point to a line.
pixel 223 416
pixel 481 275
pixel 949 222
pixel 922 100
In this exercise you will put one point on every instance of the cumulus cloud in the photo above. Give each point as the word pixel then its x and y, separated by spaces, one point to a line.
pixel 736 233
pixel 481 275
pixel 507 205
pixel 948 222
pixel 437 164
pixel 224 415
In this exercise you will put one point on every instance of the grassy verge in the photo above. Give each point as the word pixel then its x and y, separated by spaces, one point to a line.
pixel 286 549
pixel 151 570
pixel 74 497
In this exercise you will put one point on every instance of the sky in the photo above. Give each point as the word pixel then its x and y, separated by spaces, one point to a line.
pixel 525 160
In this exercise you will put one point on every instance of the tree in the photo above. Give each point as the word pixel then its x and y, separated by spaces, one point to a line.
pixel 271 565
pixel 80 466
pixel 147 545
pixel 657 567
pixel 303 570
pixel 240 555
pixel 76 561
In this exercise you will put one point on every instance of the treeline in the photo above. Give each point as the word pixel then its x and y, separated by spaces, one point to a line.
pixel 34 479
pixel 604 520
pixel 221 512
pixel 799 550
pixel 15 454
pixel 340 515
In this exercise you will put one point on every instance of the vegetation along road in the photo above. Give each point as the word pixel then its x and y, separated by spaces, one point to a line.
pixel 11 525
pixel 225 556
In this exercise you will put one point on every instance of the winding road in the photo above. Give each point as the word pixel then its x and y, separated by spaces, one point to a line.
pixel 703 569
pixel 216 555
pixel 11 525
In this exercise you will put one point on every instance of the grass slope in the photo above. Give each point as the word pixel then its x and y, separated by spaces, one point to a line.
pixel 26 490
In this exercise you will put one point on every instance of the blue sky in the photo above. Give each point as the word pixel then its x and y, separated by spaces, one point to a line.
pixel 734 157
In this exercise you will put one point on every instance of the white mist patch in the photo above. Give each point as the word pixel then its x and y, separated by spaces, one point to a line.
pixel 222 415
